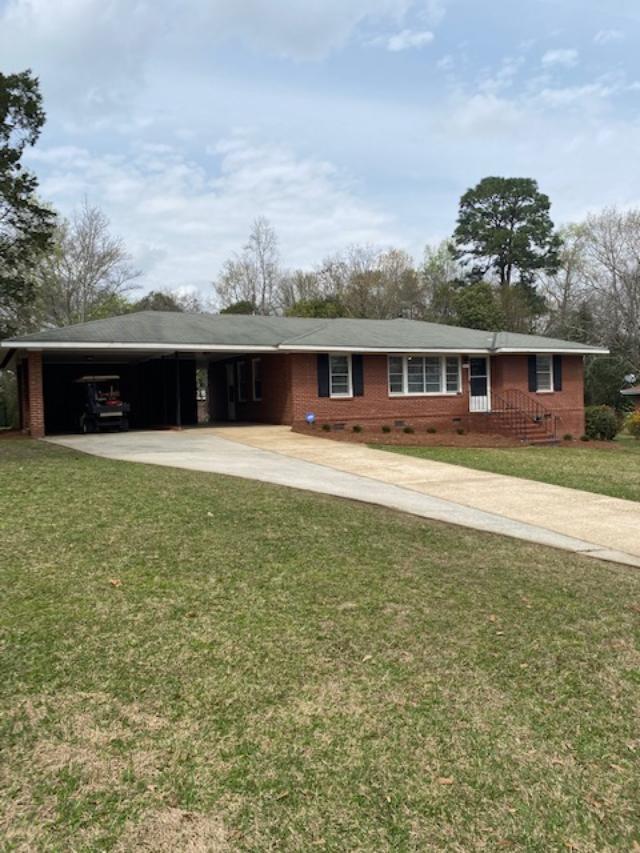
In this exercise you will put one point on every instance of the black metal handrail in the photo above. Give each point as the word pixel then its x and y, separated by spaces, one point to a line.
pixel 522 414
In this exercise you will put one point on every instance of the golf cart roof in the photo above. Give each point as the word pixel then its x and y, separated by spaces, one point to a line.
pixel 88 379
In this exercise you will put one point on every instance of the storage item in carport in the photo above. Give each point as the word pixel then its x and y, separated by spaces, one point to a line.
pixel 103 405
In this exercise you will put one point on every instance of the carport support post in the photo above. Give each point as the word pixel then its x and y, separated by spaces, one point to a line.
pixel 178 403
pixel 34 390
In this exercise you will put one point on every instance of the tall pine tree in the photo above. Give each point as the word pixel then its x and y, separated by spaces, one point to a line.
pixel 26 226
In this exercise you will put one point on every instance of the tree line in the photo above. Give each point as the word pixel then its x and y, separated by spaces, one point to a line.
pixel 505 266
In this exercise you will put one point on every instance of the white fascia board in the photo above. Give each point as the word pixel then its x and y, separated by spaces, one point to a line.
pixel 385 350
pixel 550 351
pixel 244 348
pixel 133 347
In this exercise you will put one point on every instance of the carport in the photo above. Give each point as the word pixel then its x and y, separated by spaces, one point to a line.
pixel 160 387
pixel 173 370
pixel 161 390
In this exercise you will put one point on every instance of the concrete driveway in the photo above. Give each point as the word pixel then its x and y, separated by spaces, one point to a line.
pixel 595 525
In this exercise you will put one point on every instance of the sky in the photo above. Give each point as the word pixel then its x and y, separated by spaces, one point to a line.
pixel 340 121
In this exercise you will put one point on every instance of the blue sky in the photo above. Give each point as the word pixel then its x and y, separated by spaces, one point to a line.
pixel 341 121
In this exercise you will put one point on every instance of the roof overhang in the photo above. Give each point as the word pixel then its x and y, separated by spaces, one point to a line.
pixel 550 351
pixel 383 350
pixel 107 346
pixel 164 347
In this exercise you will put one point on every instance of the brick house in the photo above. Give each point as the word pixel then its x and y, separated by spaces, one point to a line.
pixel 289 370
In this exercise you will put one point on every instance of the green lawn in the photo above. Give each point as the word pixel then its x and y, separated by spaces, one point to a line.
pixel 194 662
pixel 613 471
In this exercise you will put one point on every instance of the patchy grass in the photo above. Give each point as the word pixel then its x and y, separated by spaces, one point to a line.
pixel 194 662
pixel 613 470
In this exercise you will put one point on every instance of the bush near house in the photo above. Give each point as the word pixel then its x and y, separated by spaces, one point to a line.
pixel 601 422
pixel 632 424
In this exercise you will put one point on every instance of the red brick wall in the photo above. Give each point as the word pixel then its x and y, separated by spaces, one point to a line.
pixel 511 371
pixel 376 407
pixel 275 406
pixel 290 390
pixel 35 410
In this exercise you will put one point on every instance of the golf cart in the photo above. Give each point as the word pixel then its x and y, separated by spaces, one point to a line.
pixel 103 408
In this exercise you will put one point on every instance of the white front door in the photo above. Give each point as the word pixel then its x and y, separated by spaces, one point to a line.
pixel 231 391
pixel 479 385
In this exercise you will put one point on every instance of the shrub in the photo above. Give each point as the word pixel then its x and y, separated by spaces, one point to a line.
pixel 408 430
pixel 431 430
pixel 325 427
pixel 600 423
pixel 356 428
pixel 584 438
pixel 632 424
pixel 460 431
pixel 567 437
pixel 386 429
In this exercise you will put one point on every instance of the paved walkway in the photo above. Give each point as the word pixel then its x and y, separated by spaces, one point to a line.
pixel 598 526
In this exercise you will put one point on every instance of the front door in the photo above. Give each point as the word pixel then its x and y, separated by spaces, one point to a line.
pixel 231 391
pixel 479 385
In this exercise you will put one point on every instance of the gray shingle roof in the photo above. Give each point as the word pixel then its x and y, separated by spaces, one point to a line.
pixel 168 330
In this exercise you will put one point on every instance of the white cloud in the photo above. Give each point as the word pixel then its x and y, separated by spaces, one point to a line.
pixel 586 96
pixel 607 36
pixel 407 39
pixel 434 11
pixel 567 57
pixel 504 77
pixel 446 63
pixel 106 32
pixel 482 114
pixel 181 219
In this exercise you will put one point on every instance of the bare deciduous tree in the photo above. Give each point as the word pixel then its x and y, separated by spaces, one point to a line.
pixel 254 274
pixel 298 286
pixel 612 273
pixel 88 272
pixel 370 282
pixel 440 275
pixel 567 295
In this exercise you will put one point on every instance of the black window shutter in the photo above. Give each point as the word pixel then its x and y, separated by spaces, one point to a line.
pixel 557 373
pixel 533 378
pixel 323 375
pixel 357 375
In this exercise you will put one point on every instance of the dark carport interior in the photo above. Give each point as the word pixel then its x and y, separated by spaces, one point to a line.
pixel 161 390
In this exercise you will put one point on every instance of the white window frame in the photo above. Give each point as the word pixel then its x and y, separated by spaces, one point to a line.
pixel 443 376
pixel 550 389
pixel 241 386
pixel 254 362
pixel 341 396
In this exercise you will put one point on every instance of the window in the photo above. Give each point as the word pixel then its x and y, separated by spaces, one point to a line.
pixel 242 381
pixel 256 378
pixel 544 373
pixel 340 376
pixel 396 374
pixel 452 375
pixel 419 374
